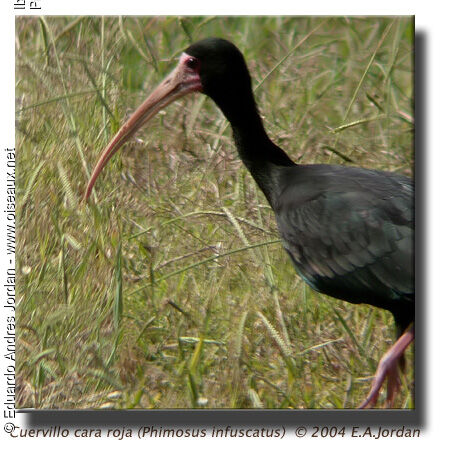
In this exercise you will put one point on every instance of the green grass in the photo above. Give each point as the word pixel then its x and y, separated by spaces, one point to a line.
pixel 171 290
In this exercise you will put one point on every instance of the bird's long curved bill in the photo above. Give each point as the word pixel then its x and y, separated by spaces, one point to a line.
pixel 179 83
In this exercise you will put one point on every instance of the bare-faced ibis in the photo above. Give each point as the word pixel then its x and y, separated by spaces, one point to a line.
pixel 349 231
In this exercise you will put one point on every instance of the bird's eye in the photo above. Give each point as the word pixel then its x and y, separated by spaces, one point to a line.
pixel 192 63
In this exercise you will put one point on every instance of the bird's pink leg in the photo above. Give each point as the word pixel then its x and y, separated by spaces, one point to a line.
pixel 393 384
pixel 388 368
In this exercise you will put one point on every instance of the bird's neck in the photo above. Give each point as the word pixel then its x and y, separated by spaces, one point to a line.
pixel 259 154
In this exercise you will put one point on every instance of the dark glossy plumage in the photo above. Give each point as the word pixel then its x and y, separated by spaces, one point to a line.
pixel 349 232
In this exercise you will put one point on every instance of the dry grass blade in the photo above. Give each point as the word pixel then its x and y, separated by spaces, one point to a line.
pixel 254 399
pixel 66 186
pixel 31 182
pixel 282 346
pixel 358 122
pixel 240 335
pixel 118 295
pixel 232 219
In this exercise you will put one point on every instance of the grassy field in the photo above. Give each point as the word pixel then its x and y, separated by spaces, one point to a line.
pixel 171 290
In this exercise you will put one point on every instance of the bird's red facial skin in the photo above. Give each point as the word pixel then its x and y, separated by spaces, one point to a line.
pixel 184 79
pixel 191 63
pixel 189 67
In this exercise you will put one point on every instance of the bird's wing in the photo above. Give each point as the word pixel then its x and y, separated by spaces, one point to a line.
pixel 352 240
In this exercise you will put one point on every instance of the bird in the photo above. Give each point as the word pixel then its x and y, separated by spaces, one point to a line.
pixel 349 231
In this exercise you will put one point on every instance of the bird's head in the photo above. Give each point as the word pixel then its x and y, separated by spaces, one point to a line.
pixel 213 66
pixel 221 68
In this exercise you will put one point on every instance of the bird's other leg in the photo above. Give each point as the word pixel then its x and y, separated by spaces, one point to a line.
pixel 388 368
